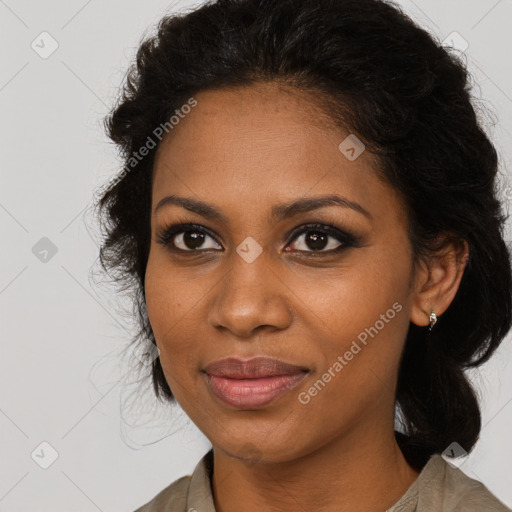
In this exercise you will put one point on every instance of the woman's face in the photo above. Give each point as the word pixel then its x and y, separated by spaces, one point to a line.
pixel 256 282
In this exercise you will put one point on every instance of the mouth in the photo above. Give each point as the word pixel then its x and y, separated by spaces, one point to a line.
pixel 254 383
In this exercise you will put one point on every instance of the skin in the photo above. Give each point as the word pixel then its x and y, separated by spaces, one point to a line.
pixel 245 150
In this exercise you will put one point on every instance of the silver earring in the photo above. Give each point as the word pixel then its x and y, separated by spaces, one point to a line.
pixel 432 320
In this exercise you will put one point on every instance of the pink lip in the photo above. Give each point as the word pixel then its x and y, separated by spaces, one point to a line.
pixel 254 383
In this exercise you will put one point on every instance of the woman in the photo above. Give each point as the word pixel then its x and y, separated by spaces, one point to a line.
pixel 307 215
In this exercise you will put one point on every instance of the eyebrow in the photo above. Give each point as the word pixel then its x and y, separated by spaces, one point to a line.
pixel 278 212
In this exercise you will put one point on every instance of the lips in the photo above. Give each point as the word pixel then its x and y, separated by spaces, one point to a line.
pixel 257 367
pixel 253 383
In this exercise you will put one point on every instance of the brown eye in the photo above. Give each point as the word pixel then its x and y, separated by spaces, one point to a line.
pixel 316 241
pixel 323 239
pixel 180 238
pixel 191 240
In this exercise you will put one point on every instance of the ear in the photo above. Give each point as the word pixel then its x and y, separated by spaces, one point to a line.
pixel 437 281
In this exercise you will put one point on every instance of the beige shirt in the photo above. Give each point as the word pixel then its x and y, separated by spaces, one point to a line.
pixel 440 487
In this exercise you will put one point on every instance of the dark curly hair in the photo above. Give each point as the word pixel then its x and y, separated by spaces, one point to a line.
pixel 374 71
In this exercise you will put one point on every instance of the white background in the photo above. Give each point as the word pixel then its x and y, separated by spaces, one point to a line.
pixel 63 377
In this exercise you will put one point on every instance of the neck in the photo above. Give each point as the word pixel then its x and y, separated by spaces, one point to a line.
pixel 364 470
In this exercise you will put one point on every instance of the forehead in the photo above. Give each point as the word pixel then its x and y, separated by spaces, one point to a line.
pixel 257 144
pixel 263 121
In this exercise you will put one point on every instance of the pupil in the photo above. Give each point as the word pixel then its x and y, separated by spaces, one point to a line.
pixel 316 240
pixel 193 239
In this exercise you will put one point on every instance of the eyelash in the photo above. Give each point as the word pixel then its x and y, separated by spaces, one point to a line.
pixel 347 239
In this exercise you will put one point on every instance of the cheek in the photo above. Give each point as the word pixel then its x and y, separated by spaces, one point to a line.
pixel 167 300
pixel 362 330
pixel 361 314
pixel 353 298
pixel 171 304
pixel 163 307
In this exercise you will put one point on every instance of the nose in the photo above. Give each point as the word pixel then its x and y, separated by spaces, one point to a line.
pixel 250 298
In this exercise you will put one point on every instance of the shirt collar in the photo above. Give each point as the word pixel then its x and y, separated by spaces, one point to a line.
pixel 200 495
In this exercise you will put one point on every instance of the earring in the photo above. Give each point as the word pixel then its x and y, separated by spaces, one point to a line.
pixel 432 320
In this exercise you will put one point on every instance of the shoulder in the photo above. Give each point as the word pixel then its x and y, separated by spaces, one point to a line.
pixel 187 493
pixel 171 499
pixel 467 494
pixel 446 487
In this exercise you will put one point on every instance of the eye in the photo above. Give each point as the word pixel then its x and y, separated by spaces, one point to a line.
pixel 185 238
pixel 315 238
